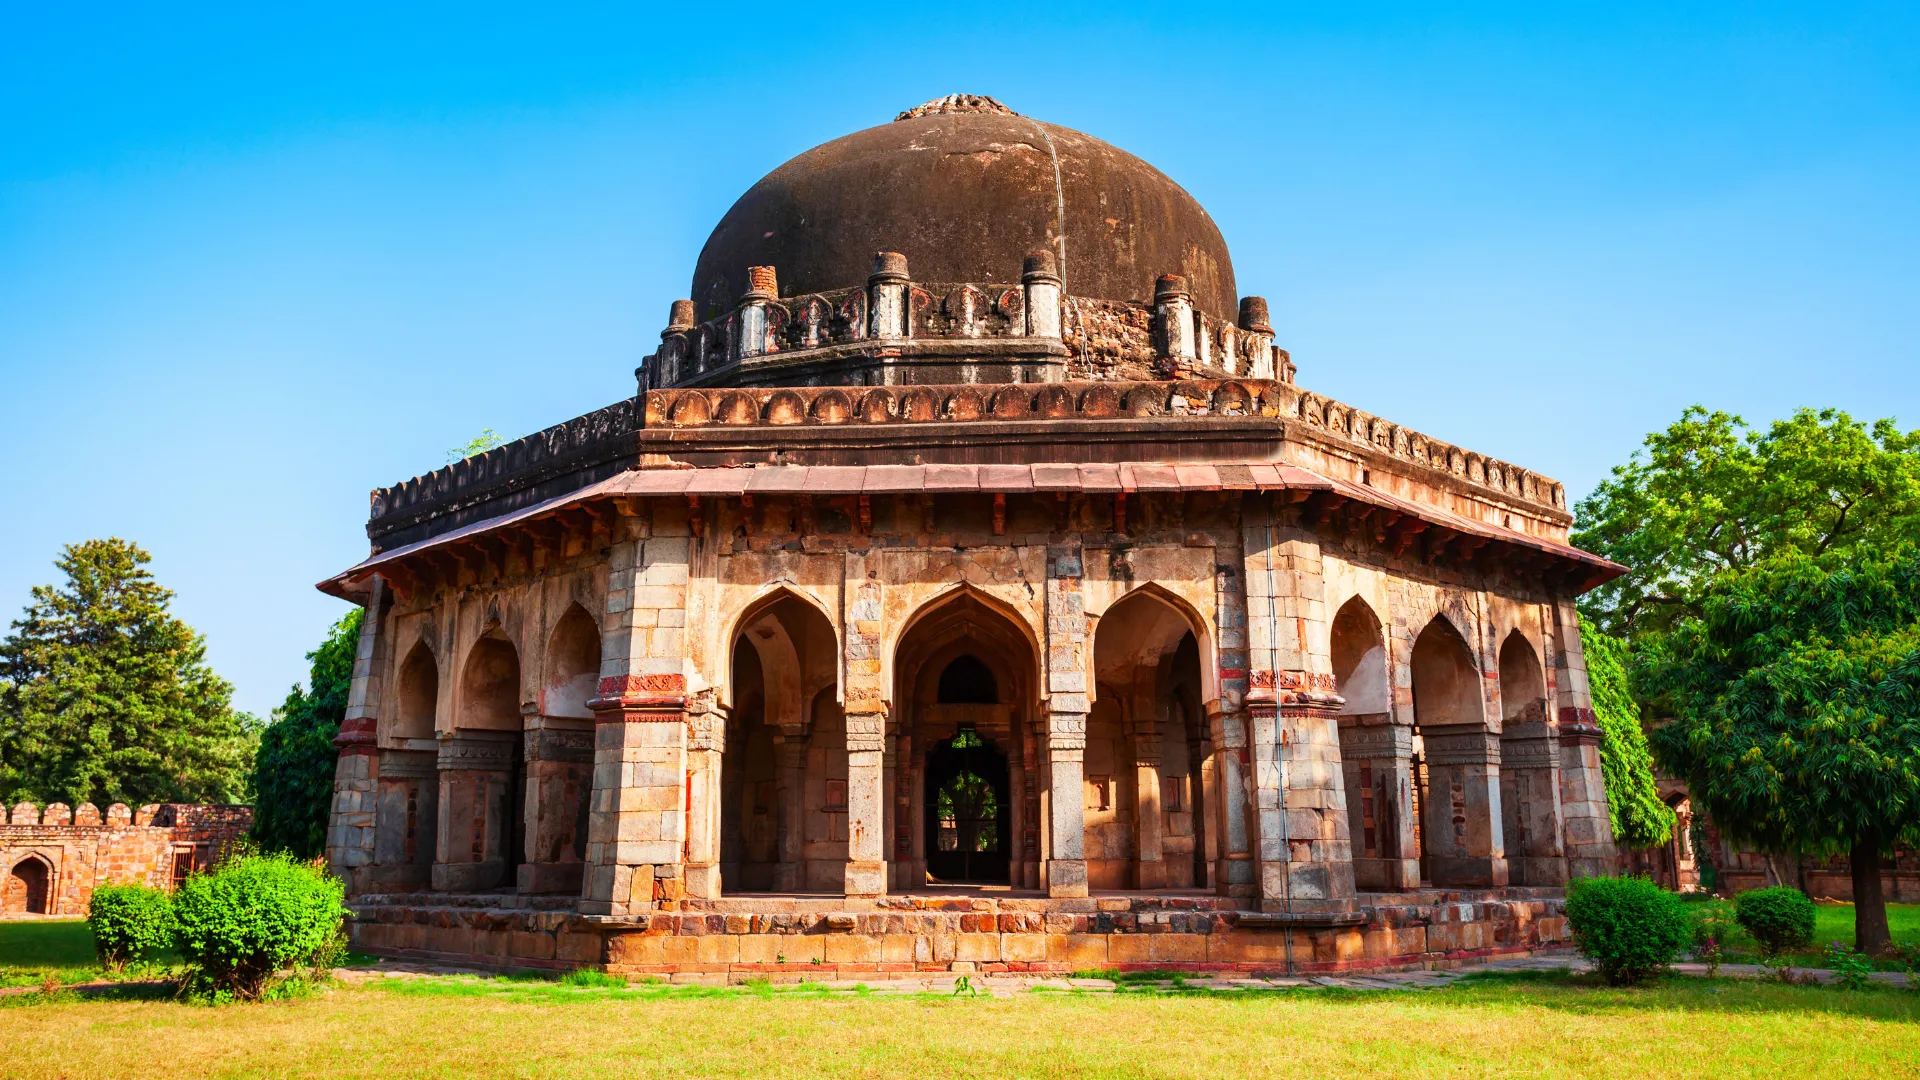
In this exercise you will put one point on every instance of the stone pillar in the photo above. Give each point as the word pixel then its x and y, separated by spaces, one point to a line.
pixel 1304 840
pixel 866 802
pixel 887 296
pixel 408 820
pixel 559 771
pixel 1377 760
pixel 1149 867
pixel 1461 819
pixel 706 750
pixel 1589 842
pixel 351 819
pixel 1233 870
pixel 1068 659
pixel 1258 326
pixel 1173 324
pixel 671 362
pixel 1530 801
pixel 1041 277
pixel 636 823
pixel 1067 804
pixel 754 337
pixel 790 814
pixel 476 810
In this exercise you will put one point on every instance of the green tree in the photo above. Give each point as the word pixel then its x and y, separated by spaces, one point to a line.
pixel 1709 495
pixel 106 697
pixel 1640 818
pixel 293 770
pixel 1796 697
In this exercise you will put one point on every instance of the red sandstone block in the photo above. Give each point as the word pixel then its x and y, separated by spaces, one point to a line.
pixel 976 947
pixel 852 949
pixel 532 946
pixel 1079 950
pixel 1023 948
pixel 1124 949
pixel 1180 948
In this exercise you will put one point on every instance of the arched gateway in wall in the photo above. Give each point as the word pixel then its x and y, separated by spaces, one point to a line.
pixel 968 581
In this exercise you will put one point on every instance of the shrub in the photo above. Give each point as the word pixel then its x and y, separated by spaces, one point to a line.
pixel 129 923
pixel 1629 927
pixel 1850 969
pixel 252 918
pixel 1779 918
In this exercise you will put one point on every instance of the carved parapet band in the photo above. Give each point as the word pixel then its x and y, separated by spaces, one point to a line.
pixel 640 698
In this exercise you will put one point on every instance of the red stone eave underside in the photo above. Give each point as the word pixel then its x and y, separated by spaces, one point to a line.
pixel 1006 479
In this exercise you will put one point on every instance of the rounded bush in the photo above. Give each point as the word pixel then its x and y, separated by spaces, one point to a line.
pixel 129 923
pixel 1629 927
pixel 1779 918
pixel 253 917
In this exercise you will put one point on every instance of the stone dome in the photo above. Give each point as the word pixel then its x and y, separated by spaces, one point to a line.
pixel 964 188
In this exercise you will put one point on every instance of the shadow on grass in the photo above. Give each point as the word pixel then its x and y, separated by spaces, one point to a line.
pixel 1584 993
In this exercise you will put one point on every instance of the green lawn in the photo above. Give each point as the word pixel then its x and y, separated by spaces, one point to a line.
pixel 31 950
pixel 1831 922
pixel 1495 1026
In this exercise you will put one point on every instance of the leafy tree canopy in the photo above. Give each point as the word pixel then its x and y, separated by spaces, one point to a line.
pixel 106 697
pixel 1796 697
pixel 1640 818
pixel 293 771
pixel 1709 495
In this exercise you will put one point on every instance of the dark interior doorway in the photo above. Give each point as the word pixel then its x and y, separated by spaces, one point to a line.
pixel 968 828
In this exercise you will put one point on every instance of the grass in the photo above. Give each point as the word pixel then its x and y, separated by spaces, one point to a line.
pixel 1831 922
pixel 1544 1025
pixel 30 950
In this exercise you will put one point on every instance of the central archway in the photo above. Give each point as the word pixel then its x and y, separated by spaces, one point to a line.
pixel 965 776
pixel 969 831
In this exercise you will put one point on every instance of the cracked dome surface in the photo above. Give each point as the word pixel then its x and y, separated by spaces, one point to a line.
pixel 965 194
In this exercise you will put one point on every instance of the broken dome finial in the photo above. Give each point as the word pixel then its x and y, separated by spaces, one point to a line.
pixel 958 103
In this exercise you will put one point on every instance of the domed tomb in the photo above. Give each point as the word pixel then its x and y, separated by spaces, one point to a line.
pixel 965 188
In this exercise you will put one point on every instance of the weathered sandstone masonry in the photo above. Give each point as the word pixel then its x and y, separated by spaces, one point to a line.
pixel 52 859
pixel 1033 622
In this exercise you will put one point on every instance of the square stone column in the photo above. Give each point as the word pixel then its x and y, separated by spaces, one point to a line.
pixel 353 815
pixel 477 810
pixel 1067 804
pixel 1461 827
pixel 1233 871
pixel 1376 756
pixel 559 771
pixel 790 815
pixel 1067 663
pixel 1589 841
pixel 1149 867
pixel 866 802
pixel 408 820
pixel 706 749
pixel 1530 802
pixel 636 825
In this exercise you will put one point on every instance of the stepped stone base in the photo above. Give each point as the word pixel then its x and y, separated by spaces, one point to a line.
pixel 793 938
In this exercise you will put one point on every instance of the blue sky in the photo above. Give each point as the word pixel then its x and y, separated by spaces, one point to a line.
pixel 256 261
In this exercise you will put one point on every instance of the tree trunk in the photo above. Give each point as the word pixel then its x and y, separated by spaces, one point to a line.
pixel 1870 935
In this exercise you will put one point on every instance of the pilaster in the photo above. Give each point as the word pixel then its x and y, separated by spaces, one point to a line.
pixel 1590 847
pixel 1068 661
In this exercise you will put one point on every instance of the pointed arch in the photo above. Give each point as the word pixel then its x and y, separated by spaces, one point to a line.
pixel 418 693
pixel 1523 683
pixel 1358 645
pixel 763 602
pixel 1446 680
pixel 958 592
pixel 29 887
pixel 1196 625
pixel 573 665
pixel 490 686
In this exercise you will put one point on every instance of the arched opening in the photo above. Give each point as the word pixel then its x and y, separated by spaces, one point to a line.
pixel 1149 782
pixel 1375 753
pixel 1529 769
pixel 482 840
pixel 968 808
pixel 966 680
pixel 783 773
pixel 419 694
pixel 559 758
pixel 969 835
pixel 29 886
pixel 1455 769
pixel 407 823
